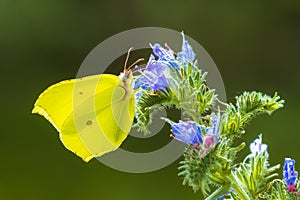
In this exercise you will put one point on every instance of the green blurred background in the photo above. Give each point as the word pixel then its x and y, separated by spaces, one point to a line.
pixel 255 45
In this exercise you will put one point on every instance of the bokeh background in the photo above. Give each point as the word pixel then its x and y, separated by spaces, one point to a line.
pixel 255 45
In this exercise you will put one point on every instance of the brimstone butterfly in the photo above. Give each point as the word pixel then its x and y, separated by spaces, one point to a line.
pixel 93 114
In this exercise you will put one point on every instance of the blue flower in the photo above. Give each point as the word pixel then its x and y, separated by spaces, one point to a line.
pixel 213 132
pixel 165 55
pixel 187 54
pixel 289 174
pixel 162 53
pixel 257 147
pixel 153 77
pixel 187 132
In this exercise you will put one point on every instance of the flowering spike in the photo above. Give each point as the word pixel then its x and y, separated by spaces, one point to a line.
pixel 174 80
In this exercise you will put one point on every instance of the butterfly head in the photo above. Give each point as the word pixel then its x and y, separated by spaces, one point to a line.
pixel 126 76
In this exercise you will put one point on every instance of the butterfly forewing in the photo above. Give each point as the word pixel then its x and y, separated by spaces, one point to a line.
pixel 90 113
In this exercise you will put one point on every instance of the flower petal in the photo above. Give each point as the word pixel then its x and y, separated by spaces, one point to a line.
pixel 187 132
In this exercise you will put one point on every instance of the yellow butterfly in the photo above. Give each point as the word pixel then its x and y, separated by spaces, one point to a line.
pixel 94 114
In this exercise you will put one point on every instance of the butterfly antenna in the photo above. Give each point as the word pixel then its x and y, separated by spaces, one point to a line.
pixel 136 62
pixel 127 57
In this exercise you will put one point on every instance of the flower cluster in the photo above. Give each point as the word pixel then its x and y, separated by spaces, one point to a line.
pixel 155 75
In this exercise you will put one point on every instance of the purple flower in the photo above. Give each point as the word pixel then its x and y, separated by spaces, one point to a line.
pixel 289 174
pixel 213 132
pixel 187 132
pixel 257 147
pixel 162 53
pixel 187 54
pixel 165 55
pixel 153 77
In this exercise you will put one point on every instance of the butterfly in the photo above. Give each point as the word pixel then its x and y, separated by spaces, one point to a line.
pixel 93 114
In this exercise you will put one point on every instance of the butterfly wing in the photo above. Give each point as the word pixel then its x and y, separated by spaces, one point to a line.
pixel 107 123
pixel 77 108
